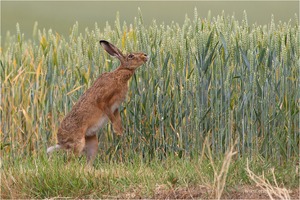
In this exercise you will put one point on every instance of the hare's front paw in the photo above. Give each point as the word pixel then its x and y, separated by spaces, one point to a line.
pixel 118 129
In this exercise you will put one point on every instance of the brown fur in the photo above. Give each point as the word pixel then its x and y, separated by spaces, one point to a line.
pixel 77 131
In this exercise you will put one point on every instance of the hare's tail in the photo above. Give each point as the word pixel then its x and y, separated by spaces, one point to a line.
pixel 53 148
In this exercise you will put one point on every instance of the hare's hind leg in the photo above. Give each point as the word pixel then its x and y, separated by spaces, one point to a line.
pixel 91 148
pixel 74 148
pixel 78 146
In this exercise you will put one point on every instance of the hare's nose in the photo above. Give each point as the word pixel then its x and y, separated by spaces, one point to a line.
pixel 146 56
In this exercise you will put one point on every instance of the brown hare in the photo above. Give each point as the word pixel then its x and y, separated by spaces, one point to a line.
pixel 100 103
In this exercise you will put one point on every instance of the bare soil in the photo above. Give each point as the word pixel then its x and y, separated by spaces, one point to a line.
pixel 202 192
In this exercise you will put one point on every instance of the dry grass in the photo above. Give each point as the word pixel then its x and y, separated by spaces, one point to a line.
pixel 273 191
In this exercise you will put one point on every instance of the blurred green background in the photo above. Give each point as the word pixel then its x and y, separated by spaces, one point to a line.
pixel 60 16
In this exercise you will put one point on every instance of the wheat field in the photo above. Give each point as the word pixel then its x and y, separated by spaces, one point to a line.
pixel 214 78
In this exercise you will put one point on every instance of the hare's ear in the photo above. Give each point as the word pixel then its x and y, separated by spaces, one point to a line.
pixel 111 49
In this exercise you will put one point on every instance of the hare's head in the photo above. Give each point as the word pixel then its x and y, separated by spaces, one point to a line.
pixel 130 61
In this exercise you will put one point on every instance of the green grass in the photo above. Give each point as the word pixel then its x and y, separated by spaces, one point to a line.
pixel 214 79
pixel 38 177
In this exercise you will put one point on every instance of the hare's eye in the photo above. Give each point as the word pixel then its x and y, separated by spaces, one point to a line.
pixel 130 56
